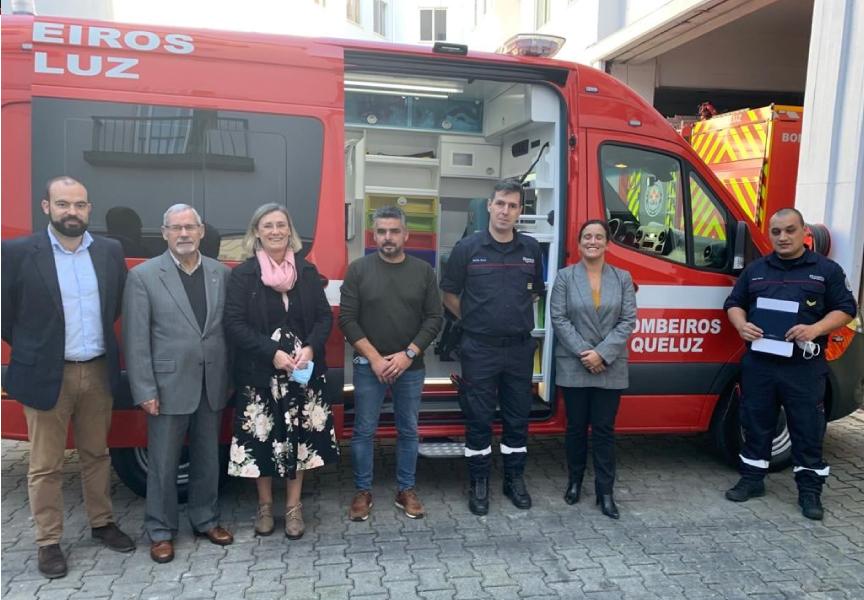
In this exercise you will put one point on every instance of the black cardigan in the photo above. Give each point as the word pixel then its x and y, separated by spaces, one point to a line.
pixel 245 321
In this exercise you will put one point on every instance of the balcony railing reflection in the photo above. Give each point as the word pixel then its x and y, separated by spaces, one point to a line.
pixel 178 142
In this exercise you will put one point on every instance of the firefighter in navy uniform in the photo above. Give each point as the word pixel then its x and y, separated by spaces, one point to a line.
pixel 491 281
pixel 825 302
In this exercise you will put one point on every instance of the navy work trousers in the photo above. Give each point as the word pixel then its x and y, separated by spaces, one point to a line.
pixel 496 376
pixel 799 387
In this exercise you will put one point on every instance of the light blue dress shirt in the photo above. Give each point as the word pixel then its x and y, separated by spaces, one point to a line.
pixel 82 308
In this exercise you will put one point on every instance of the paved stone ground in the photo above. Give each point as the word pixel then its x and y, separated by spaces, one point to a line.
pixel 677 537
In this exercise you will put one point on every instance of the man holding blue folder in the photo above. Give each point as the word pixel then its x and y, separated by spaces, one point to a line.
pixel 784 305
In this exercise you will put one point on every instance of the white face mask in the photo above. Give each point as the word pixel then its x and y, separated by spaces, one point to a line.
pixel 809 349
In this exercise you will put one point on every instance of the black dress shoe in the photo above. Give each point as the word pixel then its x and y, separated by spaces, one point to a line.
pixel 478 496
pixel 52 563
pixel 573 491
pixel 607 505
pixel 113 538
pixel 514 488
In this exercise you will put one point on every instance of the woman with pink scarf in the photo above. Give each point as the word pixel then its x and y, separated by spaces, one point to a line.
pixel 277 319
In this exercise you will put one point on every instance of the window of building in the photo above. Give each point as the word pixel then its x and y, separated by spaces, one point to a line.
pixel 649 210
pixel 137 160
pixel 379 17
pixel 542 13
pixel 352 10
pixel 433 24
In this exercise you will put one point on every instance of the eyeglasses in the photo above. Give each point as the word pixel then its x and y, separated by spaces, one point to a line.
pixel 63 205
pixel 179 228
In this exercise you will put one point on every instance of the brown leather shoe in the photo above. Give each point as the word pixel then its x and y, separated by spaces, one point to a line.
pixel 111 536
pixel 162 552
pixel 408 501
pixel 361 505
pixel 217 535
pixel 52 563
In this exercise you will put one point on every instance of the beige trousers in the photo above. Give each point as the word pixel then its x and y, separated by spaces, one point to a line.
pixel 85 398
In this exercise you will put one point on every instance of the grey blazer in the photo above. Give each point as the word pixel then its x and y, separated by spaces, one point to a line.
pixel 579 326
pixel 166 352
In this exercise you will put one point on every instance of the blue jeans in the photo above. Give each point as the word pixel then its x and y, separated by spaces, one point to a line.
pixel 368 396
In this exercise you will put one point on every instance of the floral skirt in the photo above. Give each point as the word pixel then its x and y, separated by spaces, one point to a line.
pixel 282 429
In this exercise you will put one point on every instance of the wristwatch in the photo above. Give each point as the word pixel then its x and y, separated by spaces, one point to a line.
pixel 410 353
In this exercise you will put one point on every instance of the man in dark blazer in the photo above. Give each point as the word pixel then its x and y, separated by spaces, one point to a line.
pixel 61 292
pixel 177 360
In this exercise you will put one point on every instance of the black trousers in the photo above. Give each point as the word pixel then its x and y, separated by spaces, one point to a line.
pixel 766 384
pixel 496 375
pixel 596 407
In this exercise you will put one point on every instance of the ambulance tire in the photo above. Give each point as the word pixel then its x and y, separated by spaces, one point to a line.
pixel 727 436
pixel 130 464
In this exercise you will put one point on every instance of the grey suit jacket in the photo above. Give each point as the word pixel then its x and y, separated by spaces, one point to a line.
pixel 167 354
pixel 579 326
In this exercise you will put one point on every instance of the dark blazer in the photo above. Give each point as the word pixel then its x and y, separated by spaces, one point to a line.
pixel 245 321
pixel 33 320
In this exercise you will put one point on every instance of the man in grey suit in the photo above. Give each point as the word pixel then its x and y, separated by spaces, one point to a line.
pixel 177 361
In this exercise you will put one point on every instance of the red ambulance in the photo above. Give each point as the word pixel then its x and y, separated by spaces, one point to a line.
pixel 148 116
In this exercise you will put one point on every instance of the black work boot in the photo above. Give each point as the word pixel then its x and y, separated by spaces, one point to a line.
pixel 514 488
pixel 478 496
pixel 746 489
pixel 811 505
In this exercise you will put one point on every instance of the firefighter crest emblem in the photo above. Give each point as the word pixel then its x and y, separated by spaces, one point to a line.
pixel 655 200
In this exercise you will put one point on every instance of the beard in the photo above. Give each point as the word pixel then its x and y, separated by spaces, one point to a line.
pixel 390 250
pixel 69 226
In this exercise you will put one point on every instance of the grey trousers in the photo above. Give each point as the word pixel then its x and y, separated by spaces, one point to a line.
pixel 166 435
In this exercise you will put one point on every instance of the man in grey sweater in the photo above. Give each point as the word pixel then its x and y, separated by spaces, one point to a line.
pixel 390 311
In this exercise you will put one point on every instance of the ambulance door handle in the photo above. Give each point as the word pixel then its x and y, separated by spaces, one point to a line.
pixel 350 223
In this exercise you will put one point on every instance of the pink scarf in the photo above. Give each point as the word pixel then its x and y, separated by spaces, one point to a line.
pixel 279 277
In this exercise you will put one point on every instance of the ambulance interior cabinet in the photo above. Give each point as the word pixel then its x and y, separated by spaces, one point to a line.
pixel 469 157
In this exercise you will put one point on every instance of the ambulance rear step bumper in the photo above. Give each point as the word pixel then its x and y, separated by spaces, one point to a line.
pixel 443 448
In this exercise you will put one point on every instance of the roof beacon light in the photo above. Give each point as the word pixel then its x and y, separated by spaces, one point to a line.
pixel 532 44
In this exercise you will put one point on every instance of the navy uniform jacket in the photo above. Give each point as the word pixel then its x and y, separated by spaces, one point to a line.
pixel 33 319
pixel 496 282
pixel 817 283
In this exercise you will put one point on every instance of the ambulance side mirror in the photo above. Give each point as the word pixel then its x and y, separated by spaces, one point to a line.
pixel 742 241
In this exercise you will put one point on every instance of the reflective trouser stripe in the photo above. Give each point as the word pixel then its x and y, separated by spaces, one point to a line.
pixel 822 472
pixel 509 450
pixel 469 452
pixel 759 464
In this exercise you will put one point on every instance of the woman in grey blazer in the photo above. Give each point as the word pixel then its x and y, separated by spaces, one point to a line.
pixel 593 311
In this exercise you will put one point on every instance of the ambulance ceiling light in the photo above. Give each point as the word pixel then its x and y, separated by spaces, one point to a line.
pixel 405 85
pixel 396 93
pixel 532 44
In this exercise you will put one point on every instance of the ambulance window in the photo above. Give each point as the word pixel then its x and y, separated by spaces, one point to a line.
pixel 136 160
pixel 708 225
pixel 644 201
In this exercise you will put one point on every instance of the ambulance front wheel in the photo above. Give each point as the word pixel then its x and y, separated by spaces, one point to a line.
pixel 728 437
pixel 131 466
